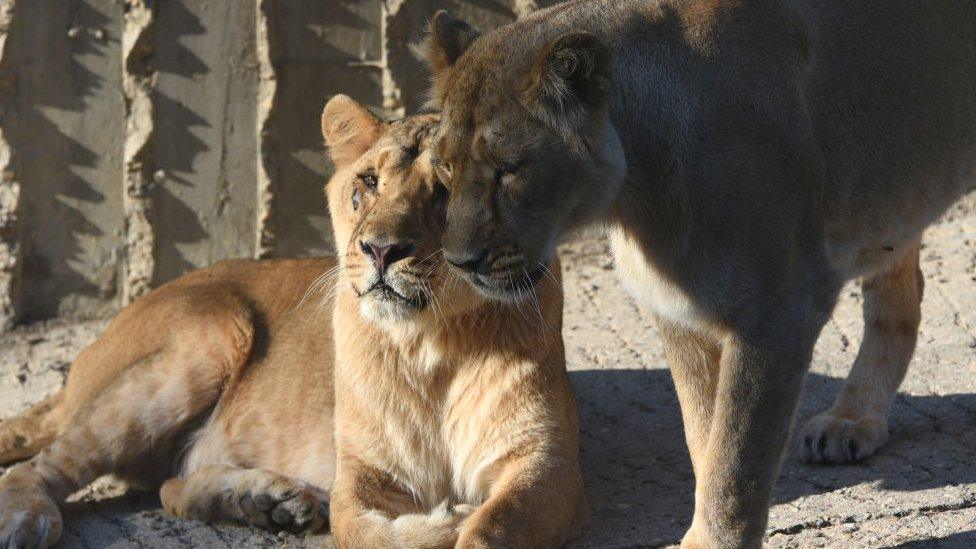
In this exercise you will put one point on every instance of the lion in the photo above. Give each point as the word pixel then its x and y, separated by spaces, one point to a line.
pixel 747 157
pixel 428 416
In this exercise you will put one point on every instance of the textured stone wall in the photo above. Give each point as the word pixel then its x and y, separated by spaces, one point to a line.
pixel 140 139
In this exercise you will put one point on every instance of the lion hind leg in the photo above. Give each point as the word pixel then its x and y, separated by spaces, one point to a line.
pixel 135 426
pixel 24 436
pixel 856 425
pixel 217 493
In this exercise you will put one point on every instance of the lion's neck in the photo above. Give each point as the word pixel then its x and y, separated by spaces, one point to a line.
pixel 441 343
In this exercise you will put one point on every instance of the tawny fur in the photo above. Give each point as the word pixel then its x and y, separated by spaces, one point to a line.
pixel 747 157
pixel 455 419
pixel 455 423
pixel 222 359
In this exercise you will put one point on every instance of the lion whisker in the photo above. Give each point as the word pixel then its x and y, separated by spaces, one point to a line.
pixel 438 250
pixel 315 286
pixel 538 309
pixel 518 298
pixel 435 306
pixel 548 272
pixel 456 279
pixel 327 301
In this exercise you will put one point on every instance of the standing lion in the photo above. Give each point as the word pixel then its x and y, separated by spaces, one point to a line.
pixel 747 157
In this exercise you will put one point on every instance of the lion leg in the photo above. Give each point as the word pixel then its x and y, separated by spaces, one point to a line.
pixel 694 362
pixel 24 436
pixel 135 424
pixel 366 509
pixel 215 493
pixel 536 501
pixel 856 425
pixel 761 374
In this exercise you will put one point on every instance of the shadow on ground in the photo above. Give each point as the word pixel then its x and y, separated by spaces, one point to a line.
pixel 962 540
pixel 638 475
pixel 125 520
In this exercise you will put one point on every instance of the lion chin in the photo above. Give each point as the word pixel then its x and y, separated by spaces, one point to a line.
pixel 511 289
pixel 385 307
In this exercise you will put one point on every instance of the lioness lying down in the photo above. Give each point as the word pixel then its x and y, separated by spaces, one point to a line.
pixel 453 416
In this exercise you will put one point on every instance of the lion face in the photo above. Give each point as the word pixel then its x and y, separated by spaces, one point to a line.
pixel 524 147
pixel 387 211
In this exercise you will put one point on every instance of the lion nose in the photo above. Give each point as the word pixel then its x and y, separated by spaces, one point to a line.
pixel 384 254
pixel 467 261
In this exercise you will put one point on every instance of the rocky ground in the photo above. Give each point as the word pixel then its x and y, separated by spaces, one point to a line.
pixel 920 491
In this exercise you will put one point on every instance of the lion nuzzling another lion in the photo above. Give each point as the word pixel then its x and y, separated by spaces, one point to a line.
pixel 747 157
pixel 250 389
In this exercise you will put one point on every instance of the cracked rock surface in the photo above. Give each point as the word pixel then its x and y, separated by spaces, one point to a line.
pixel 919 491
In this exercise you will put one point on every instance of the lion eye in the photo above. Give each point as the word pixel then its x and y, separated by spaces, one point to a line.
pixel 370 180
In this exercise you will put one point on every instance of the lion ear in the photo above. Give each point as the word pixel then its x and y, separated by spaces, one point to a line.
pixel 349 129
pixel 447 38
pixel 569 78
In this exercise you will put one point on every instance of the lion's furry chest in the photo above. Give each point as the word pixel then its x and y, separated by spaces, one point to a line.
pixel 648 286
pixel 437 432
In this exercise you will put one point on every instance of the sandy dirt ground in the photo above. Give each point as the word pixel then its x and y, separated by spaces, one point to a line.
pixel 920 491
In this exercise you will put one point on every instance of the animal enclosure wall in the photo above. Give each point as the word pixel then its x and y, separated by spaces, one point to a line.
pixel 140 139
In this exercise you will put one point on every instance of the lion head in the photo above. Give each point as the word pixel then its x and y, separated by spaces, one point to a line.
pixel 524 146
pixel 387 210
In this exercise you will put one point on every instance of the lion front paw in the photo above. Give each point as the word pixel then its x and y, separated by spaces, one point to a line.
pixel 28 516
pixel 829 439
pixel 279 503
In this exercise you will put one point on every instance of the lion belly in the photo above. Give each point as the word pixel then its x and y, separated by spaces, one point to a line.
pixel 893 107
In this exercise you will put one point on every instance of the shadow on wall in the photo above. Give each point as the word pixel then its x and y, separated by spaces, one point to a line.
pixel 408 25
pixel 638 475
pixel 47 84
pixel 407 28
pixel 322 51
pixel 176 147
pixel 63 112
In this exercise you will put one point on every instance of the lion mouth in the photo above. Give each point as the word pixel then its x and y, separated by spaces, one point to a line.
pixel 513 285
pixel 385 292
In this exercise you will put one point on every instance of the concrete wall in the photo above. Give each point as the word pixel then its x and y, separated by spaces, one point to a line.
pixel 140 139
